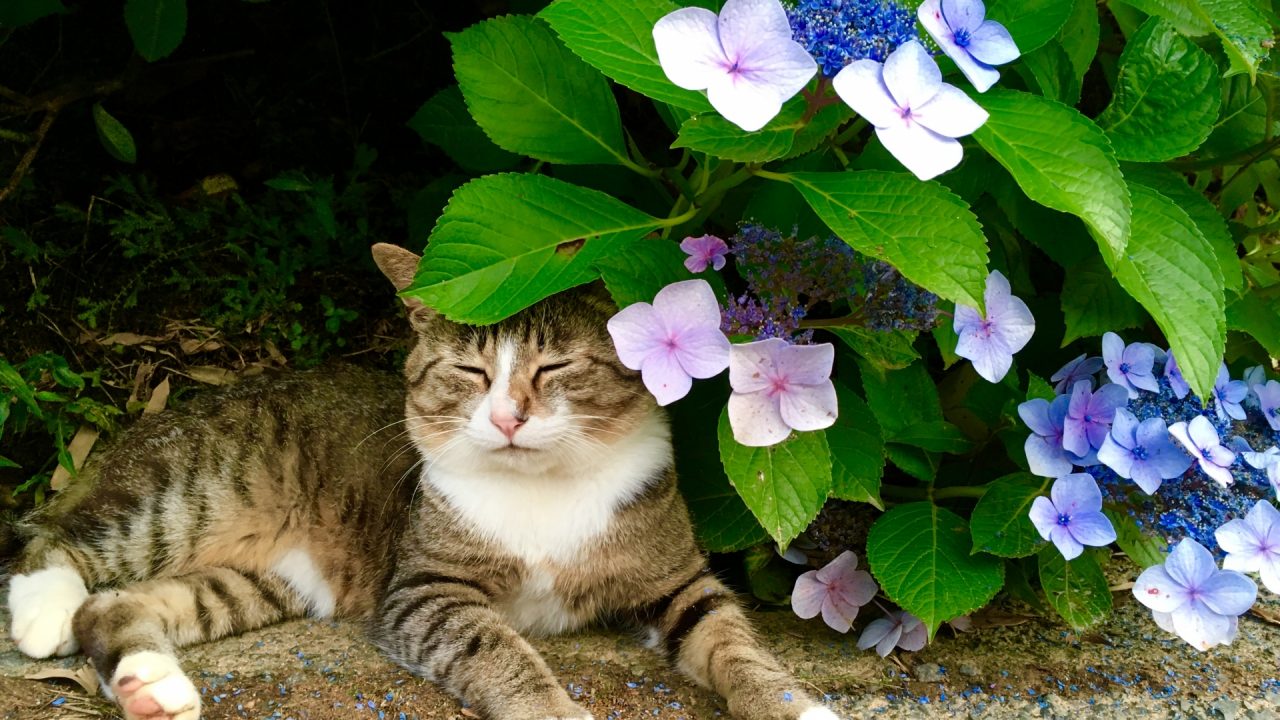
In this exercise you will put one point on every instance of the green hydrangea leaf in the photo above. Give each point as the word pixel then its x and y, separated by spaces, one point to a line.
pixel 1241 26
pixel 923 229
pixel 920 555
pixel 1255 313
pixel 1166 98
pixel 1206 217
pixel 1093 302
pixel 889 349
pixel 1060 159
pixel 617 39
pixel 534 97
pixel 638 270
pixel 1143 548
pixel 857 451
pixel 1032 23
pixel 723 522
pixel 1000 524
pixel 785 485
pixel 1077 590
pixel 1171 270
pixel 16 13
pixel 114 135
pixel 156 26
pixel 443 121
pixel 507 241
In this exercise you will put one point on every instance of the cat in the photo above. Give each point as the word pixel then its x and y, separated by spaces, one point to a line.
pixel 535 494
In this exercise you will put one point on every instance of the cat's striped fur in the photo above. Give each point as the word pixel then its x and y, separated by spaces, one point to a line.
pixel 518 480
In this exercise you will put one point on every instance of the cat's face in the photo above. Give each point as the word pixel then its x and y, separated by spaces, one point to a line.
pixel 540 388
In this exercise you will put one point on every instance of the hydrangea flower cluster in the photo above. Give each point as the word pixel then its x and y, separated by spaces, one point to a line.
pixel 837 32
pixel 787 277
pixel 1198 475
pixel 755 55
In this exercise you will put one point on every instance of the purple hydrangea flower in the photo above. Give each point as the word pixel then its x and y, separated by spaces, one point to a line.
pixel 1256 460
pixel 975 44
pixel 704 251
pixel 916 116
pixel 1089 416
pixel 1269 402
pixel 1082 368
pixel 1171 373
pixel 1045 454
pixel 1190 597
pixel 897 629
pixel 1129 366
pixel 1142 452
pixel 990 342
pixel 1252 544
pixel 836 591
pixel 1071 517
pixel 779 387
pixel 744 58
pixel 837 32
pixel 672 341
pixel 1228 394
pixel 1201 440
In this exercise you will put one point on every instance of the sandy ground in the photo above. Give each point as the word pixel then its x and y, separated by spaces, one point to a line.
pixel 1010 666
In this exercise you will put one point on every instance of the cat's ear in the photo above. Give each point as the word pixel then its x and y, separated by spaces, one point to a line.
pixel 400 266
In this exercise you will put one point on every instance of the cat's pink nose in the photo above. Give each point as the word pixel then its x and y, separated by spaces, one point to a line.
pixel 507 423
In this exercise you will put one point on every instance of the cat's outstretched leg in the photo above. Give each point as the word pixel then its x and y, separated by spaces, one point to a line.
pixel 45 590
pixel 703 630
pixel 443 628
pixel 130 634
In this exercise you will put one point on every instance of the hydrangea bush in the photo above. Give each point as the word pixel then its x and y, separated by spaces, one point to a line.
pixel 889 222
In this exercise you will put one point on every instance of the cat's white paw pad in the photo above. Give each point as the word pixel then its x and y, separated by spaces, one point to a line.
pixel 818 713
pixel 42 605
pixel 151 686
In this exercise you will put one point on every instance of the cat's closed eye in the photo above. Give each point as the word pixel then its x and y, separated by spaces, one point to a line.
pixel 478 373
pixel 544 371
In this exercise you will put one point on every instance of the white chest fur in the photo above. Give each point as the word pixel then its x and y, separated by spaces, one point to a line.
pixel 547 518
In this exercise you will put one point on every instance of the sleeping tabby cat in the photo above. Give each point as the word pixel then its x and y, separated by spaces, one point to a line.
pixel 535 494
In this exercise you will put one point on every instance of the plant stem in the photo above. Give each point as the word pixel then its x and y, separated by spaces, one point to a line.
pixel 674 219
pixel 770 175
pixel 725 184
pixel 850 319
pixel 854 128
pixel 930 493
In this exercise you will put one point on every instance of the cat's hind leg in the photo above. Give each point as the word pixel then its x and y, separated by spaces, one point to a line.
pixel 707 636
pixel 130 634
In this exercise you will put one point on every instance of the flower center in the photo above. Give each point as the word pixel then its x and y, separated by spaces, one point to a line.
pixel 777 386
pixel 735 68
pixel 1088 418
pixel 1274 412
pixel 1124 368
pixel 905 113
pixel 1140 453
pixel 1064 519
pixel 962 38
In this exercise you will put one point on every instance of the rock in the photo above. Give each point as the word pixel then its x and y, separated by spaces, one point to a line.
pixel 969 670
pixel 1225 708
pixel 929 672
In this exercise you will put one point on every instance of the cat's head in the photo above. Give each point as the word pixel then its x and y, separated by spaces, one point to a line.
pixel 542 389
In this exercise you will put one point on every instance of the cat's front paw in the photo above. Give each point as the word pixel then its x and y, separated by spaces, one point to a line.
pixel 151 686
pixel 42 605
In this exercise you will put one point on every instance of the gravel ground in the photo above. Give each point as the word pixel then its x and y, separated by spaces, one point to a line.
pixel 1008 666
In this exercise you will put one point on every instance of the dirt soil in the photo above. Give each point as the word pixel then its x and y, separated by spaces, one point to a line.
pixel 1009 665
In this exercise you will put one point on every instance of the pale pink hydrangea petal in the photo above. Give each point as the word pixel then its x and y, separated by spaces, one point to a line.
pixel 806 364
pixel 1201 627
pixel 756 420
pixel 993 45
pixel 751 365
pixel 964 14
pixel 911 75
pixel 809 407
pixel 807 595
pixel 861 85
pixel 636 334
pixel 745 58
pixel 922 151
pixel 688 44
pixel 951 113
pixel 914 635
pixel 842 566
pixel 704 251
pixel 990 342
pixel 664 377
pixel 980 74
pixel 1155 589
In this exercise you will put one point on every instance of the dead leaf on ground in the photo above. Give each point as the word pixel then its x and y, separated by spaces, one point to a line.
pixel 159 398
pixel 79 449
pixel 275 353
pixel 140 377
pixel 1266 614
pixel 84 676
pixel 128 338
pixel 211 375
pixel 191 346
pixel 997 618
